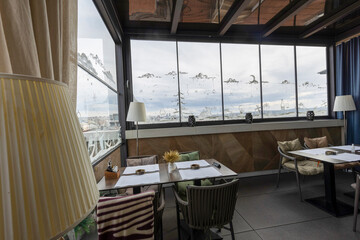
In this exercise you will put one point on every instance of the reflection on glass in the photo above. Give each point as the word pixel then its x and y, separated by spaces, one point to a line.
pixel 200 82
pixel 310 13
pixel 312 80
pixel 97 109
pixel 278 81
pixel 155 11
pixel 269 8
pixel 250 15
pixel 200 11
pixel 96 48
pixel 241 80
pixel 155 81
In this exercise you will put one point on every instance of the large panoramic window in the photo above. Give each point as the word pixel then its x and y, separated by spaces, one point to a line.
pixel 200 81
pixel 312 80
pixel 97 105
pixel 278 81
pixel 155 80
pixel 224 81
pixel 241 80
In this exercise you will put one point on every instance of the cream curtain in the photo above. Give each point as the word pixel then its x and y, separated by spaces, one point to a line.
pixel 39 38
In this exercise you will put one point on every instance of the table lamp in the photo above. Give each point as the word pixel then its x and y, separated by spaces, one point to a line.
pixel 136 113
pixel 344 103
pixel 47 183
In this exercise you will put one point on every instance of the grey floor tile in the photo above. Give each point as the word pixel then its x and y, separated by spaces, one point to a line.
pixel 169 223
pixel 239 225
pixel 322 229
pixel 251 235
pixel 276 209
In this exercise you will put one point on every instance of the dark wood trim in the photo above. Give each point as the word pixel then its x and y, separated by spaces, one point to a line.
pixel 289 11
pixel 331 18
pixel 122 95
pixel 236 9
pixel 176 16
pixel 348 34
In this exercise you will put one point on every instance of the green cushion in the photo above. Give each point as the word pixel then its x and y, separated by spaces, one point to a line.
pixel 184 157
pixel 194 155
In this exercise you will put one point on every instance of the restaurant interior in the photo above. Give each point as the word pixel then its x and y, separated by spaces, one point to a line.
pixel 179 119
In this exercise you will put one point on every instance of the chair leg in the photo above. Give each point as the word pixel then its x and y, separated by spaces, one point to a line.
pixel 278 178
pixel 178 221
pixel 298 183
pixel 356 203
pixel 192 237
pixel 232 231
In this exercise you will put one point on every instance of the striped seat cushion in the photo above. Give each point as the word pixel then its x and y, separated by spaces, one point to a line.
pixel 130 217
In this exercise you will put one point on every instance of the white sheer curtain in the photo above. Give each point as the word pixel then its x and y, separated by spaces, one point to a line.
pixel 39 38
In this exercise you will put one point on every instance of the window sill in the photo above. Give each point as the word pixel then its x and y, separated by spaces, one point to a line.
pixel 230 128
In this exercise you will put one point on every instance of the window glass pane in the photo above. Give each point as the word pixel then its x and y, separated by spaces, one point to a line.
pixel 96 48
pixel 312 80
pixel 155 81
pixel 200 82
pixel 278 81
pixel 97 109
pixel 241 80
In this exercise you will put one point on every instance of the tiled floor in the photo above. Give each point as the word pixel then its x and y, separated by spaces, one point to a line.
pixel 266 212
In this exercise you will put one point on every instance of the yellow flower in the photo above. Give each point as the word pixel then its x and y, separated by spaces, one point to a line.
pixel 171 156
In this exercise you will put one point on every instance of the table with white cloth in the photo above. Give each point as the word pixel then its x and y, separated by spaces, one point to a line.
pixel 159 174
pixel 329 202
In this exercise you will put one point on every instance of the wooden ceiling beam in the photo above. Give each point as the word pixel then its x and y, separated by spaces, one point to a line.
pixel 330 18
pixel 176 16
pixel 236 9
pixel 286 13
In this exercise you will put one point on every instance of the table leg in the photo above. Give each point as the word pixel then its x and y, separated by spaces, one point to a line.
pixel 329 203
pixel 136 190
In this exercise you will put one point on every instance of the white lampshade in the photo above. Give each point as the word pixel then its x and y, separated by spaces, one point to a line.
pixel 47 184
pixel 137 112
pixel 344 103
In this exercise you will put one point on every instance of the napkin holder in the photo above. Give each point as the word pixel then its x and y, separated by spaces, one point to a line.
pixel 112 175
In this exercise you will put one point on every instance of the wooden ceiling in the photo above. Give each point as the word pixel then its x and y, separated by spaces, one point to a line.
pixel 301 19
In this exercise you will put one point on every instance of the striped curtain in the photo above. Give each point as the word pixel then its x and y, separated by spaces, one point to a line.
pixel 130 217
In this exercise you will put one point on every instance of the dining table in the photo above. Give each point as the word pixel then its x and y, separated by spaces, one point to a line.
pixel 160 174
pixel 330 156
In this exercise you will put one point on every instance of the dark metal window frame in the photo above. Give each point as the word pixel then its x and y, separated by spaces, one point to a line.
pixel 219 41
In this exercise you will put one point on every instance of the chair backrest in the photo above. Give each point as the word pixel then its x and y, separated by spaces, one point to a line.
pixel 142 160
pixel 130 217
pixel 211 206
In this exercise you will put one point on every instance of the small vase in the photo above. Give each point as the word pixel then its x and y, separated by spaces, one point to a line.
pixel 171 167
pixel 310 115
pixel 248 118
pixel 191 121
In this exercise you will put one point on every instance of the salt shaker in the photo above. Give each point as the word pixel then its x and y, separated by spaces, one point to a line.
pixel 352 148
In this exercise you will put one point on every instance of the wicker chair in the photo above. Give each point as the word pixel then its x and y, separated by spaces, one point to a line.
pixel 209 206
pixel 303 167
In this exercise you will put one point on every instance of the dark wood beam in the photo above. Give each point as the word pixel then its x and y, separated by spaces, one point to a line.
pixel 176 16
pixel 236 9
pixel 286 13
pixel 330 18
pixel 348 34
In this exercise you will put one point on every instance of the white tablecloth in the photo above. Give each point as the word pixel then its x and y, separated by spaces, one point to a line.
pixel 145 179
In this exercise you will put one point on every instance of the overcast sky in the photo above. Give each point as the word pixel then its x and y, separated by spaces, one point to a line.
pixel 241 76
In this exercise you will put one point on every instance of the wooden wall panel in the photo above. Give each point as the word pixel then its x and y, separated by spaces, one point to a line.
pixel 241 151
pixel 100 168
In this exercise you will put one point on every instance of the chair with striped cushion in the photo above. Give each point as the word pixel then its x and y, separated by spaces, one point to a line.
pixel 129 217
